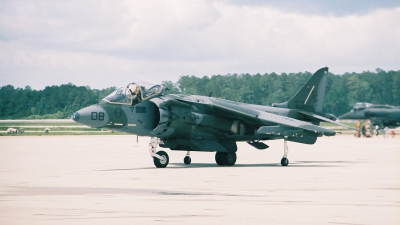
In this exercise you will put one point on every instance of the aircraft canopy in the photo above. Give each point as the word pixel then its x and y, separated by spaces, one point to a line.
pixel 133 94
pixel 364 105
pixel 361 105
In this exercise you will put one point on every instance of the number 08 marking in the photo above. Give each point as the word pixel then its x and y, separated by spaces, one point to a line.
pixel 97 116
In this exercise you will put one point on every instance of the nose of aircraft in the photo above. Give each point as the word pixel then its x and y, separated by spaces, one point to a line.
pixel 344 116
pixel 92 116
pixel 351 115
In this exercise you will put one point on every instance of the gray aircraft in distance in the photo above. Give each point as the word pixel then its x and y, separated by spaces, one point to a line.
pixel 381 115
pixel 202 123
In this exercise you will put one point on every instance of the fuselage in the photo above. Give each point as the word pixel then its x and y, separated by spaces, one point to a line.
pixel 153 118
pixel 382 115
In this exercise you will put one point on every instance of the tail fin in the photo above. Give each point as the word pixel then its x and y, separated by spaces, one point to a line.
pixel 311 96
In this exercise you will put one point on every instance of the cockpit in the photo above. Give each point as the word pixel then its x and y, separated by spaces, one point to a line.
pixel 361 105
pixel 133 94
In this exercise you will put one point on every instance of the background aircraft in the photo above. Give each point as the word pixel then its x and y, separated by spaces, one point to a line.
pixel 381 115
pixel 202 123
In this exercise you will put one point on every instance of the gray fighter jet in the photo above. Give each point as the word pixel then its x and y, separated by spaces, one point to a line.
pixel 381 115
pixel 201 123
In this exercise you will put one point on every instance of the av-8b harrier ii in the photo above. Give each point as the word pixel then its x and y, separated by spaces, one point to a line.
pixel 381 115
pixel 199 123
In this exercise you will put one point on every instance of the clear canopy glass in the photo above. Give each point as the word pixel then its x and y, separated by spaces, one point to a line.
pixel 134 93
pixel 361 105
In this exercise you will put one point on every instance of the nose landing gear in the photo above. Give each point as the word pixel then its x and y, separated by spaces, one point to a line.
pixel 160 158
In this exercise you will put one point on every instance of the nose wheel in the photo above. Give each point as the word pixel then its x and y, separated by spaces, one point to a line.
pixel 160 158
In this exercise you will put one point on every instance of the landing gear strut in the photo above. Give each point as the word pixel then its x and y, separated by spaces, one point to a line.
pixel 285 160
pixel 160 158
pixel 225 158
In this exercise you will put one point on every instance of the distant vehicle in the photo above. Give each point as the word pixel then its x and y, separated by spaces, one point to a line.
pixel 202 123
pixel 381 115
pixel 11 130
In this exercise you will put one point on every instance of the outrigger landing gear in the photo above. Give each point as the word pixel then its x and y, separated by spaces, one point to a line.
pixel 285 160
pixel 160 158
pixel 187 160
pixel 225 158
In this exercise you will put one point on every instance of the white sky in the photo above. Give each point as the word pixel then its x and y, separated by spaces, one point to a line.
pixel 112 43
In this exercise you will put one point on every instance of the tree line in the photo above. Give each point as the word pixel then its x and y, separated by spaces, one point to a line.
pixel 378 87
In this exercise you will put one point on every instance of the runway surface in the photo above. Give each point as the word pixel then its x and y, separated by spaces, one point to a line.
pixel 105 180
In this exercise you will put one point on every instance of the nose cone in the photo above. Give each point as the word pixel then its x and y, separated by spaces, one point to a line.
pixel 92 116
pixel 75 117
pixel 353 115
pixel 345 116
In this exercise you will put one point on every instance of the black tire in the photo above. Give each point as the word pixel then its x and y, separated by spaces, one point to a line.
pixel 187 160
pixel 161 163
pixel 284 161
pixel 220 158
pixel 230 158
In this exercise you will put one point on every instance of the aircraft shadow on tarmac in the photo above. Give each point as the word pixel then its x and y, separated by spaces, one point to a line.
pixel 305 164
pixel 294 164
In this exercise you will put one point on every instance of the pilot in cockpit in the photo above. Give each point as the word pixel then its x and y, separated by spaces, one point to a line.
pixel 138 93
pixel 137 90
pixel 134 92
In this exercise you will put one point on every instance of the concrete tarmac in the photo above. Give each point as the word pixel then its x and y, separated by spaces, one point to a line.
pixel 105 180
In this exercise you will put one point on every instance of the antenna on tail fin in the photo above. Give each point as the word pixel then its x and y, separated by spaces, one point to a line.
pixel 310 97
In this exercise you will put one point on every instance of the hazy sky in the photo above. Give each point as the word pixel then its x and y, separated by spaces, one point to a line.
pixel 112 43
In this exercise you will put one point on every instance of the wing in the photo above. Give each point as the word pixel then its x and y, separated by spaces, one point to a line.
pixel 310 114
pixel 269 118
pixel 233 109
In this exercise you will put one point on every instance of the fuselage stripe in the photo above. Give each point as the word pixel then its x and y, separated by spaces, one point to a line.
pixel 309 94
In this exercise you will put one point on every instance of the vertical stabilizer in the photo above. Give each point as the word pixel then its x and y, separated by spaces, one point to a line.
pixel 310 97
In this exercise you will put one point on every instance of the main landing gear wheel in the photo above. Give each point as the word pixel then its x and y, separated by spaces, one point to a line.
pixel 225 158
pixel 187 160
pixel 220 159
pixel 163 162
pixel 230 158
